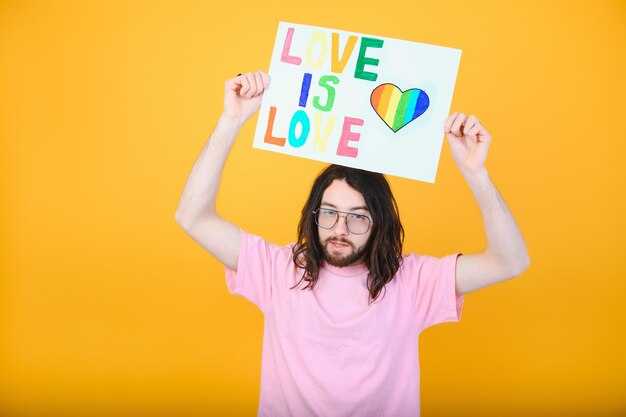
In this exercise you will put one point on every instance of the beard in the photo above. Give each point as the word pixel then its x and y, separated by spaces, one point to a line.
pixel 342 260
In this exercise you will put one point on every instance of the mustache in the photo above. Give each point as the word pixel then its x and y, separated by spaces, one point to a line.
pixel 338 239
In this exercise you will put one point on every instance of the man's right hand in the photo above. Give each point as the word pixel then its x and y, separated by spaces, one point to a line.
pixel 242 96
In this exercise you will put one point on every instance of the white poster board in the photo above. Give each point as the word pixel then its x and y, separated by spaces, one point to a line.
pixel 357 100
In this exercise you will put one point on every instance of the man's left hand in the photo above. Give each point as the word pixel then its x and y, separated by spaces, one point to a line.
pixel 469 142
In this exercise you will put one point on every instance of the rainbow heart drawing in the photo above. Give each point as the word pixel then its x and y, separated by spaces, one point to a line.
pixel 398 108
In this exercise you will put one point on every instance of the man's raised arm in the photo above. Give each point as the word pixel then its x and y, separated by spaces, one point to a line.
pixel 196 211
pixel 506 255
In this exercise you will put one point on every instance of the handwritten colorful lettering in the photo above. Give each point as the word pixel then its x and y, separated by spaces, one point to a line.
pixel 344 97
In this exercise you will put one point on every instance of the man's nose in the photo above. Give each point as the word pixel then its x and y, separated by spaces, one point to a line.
pixel 341 228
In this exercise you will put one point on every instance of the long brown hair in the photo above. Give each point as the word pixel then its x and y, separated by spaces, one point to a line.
pixel 383 254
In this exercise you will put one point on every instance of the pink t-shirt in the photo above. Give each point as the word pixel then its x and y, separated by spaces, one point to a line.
pixel 326 351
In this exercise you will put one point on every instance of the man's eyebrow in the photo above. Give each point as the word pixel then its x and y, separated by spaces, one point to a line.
pixel 324 203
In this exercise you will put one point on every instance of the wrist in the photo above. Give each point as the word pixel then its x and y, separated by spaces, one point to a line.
pixel 477 176
pixel 228 123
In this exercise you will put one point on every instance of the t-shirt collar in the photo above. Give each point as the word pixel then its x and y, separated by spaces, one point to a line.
pixel 346 271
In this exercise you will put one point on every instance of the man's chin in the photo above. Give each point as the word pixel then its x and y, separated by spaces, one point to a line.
pixel 339 261
pixel 343 261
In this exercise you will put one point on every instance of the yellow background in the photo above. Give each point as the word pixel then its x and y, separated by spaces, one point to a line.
pixel 108 308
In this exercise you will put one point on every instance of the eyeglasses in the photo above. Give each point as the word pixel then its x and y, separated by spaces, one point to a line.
pixel 356 223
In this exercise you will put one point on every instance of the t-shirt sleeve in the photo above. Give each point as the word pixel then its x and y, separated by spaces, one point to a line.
pixel 256 269
pixel 431 284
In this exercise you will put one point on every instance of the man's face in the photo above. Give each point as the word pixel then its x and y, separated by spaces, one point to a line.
pixel 342 247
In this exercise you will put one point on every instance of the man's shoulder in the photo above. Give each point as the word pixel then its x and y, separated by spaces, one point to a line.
pixel 256 242
pixel 410 258
pixel 261 239
pixel 415 261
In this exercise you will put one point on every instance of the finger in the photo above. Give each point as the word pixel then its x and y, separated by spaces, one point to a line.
pixel 470 122
pixel 474 130
pixel 252 82
pixel 483 135
pixel 245 85
pixel 448 123
pixel 233 84
pixel 266 79
pixel 259 83
pixel 253 87
pixel 457 125
pixel 472 133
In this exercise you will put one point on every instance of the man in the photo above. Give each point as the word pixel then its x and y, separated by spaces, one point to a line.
pixel 343 307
